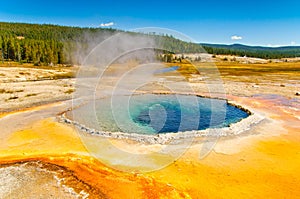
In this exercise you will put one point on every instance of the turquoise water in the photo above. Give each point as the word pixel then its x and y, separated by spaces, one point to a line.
pixel 152 114
pixel 165 70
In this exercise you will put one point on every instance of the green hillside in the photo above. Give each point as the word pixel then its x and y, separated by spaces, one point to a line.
pixel 53 44
pixel 253 51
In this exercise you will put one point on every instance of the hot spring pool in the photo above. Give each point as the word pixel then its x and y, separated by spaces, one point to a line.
pixel 156 114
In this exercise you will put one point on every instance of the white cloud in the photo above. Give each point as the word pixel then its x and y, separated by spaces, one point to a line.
pixel 107 24
pixel 235 37
pixel 293 43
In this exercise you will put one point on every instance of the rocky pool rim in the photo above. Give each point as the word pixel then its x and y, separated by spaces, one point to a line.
pixel 234 129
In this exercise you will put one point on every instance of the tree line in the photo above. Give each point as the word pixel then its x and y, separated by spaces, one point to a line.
pixel 253 51
pixel 53 44
pixel 43 43
pixel 31 50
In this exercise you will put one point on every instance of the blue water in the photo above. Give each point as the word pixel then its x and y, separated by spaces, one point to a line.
pixel 165 70
pixel 152 114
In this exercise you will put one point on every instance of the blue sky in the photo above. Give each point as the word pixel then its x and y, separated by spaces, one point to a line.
pixel 263 22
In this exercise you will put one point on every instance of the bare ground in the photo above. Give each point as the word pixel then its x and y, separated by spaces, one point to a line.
pixel 25 87
pixel 229 169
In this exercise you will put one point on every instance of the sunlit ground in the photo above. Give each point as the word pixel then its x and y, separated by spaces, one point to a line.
pixel 264 162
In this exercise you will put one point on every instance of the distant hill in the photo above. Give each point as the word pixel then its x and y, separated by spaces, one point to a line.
pixel 253 51
pixel 54 44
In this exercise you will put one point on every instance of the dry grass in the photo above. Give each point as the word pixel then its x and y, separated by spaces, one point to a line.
pixel 70 91
pixel 13 97
pixel 24 73
pixel 65 75
pixel 252 73
pixel 31 94
pixel 60 67
pixel 2 91
pixel 236 69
